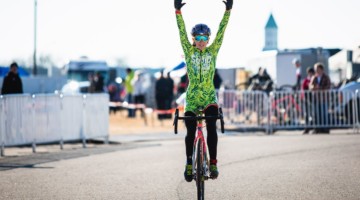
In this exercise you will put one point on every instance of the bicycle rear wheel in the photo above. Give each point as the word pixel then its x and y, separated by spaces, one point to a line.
pixel 200 184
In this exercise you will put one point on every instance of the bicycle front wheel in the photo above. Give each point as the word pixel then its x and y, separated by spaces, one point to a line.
pixel 200 184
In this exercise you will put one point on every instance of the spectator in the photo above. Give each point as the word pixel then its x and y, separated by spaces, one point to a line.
pixel 129 90
pixel 161 95
pixel 319 84
pixel 91 88
pixel 139 91
pixel 184 82
pixel 12 83
pixel 297 65
pixel 254 78
pixel 261 81
pixel 308 98
pixel 114 91
pixel 99 82
pixel 170 94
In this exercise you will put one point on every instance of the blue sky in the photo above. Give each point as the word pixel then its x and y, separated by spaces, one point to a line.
pixel 144 33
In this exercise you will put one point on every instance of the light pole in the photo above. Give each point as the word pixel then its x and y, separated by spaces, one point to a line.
pixel 35 35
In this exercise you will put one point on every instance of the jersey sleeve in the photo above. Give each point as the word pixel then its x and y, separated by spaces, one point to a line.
pixel 183 34
pixel 220 34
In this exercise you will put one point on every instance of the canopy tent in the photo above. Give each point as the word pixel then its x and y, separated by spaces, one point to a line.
pixel 177 71
pixel 4 71
pixel 179 66
pixel 89 65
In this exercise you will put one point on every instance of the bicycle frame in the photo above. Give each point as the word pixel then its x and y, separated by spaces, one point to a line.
pixel 204 153
pixel 284 103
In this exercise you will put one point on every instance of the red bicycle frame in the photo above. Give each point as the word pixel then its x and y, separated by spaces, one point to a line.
pixel 200 138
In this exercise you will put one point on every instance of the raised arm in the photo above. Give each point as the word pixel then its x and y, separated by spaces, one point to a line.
pixel 186 45
pixel 220 34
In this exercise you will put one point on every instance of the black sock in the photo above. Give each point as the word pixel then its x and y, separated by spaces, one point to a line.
pixel 189 160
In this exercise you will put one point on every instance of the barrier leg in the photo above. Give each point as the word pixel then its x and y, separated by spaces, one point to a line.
pixel 2 150
pixel 61 144
pixel 106 141
pixel 34 146
pixel 83 131
pixel 152 119
pixel 84 142
pixel 144 116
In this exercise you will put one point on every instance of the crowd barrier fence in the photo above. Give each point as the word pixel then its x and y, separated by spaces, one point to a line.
pixel 288 110
pixel 50 118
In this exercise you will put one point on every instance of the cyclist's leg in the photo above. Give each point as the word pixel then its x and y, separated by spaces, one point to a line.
pixel 190 136
pixel 212 137
pixel 189 141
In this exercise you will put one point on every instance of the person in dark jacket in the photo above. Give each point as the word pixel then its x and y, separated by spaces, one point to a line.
pixel 261 81
pixel 12 83
pixel 184 82
pixel 99 82
pixel 319 84
pixel 161 95
pixel 170 94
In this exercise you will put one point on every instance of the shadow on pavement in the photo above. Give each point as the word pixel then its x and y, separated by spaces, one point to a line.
pixel 30 161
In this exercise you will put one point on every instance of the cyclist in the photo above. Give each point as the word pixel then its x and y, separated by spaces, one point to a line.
pixel 201 61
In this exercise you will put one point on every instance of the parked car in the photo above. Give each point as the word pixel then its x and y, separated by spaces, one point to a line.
pixel 74 87
pixel 349 101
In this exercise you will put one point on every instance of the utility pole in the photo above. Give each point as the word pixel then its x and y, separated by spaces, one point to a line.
pixel 35 36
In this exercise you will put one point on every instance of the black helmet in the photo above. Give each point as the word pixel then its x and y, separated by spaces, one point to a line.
pixel 200 29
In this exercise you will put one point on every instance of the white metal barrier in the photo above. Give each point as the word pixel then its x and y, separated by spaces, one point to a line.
pixel 357 108
pixel 312 109
pixel 329 109
pixel 46 117
pixel 30 119
pixel 96 118
pixel 72 117
pixel 16 120
pixel 245 109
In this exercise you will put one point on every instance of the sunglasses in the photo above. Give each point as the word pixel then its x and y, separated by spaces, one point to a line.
pixel 202 37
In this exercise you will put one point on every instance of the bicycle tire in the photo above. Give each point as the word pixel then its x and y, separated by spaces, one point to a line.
pixel 200 184
pixel 176 121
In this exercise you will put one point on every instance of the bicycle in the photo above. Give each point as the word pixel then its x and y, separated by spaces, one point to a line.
pixel 290 107
pixel 200 165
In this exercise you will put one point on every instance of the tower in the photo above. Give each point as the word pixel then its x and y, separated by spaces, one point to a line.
pixel 271 34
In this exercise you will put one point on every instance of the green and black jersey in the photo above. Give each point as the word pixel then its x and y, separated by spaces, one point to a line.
pixel 201 67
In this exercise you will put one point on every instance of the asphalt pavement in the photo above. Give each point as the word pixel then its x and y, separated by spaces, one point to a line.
pixel 281 166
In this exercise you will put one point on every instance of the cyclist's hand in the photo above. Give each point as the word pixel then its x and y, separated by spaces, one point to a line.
pixel 229 4
pixel 178 4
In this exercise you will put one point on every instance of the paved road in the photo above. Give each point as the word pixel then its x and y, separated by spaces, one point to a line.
pixel 251 167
